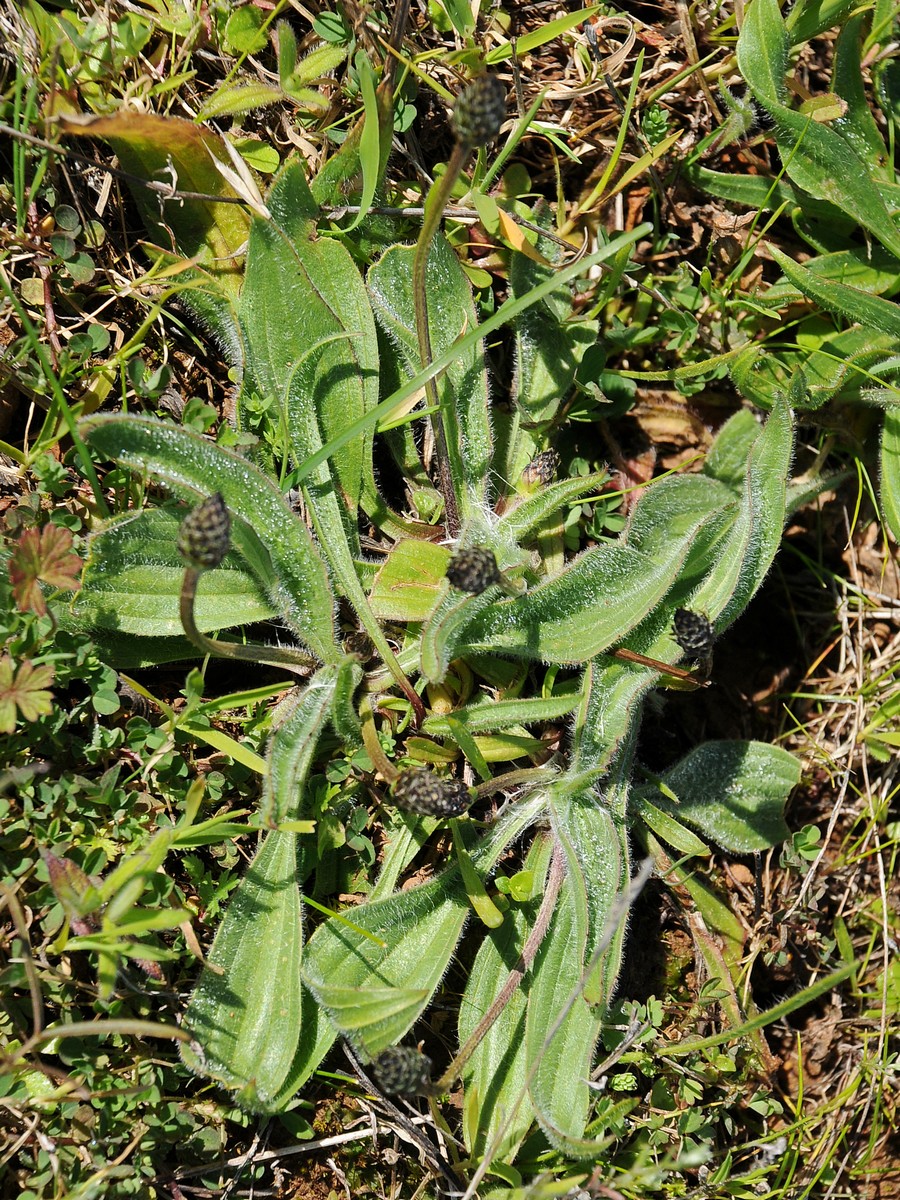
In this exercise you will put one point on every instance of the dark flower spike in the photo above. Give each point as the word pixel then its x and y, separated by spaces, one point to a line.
pixel 480 111
pixel 205 534
pixel 402 1071
pixel 693 632
pixel 473 570
pixel 419 790
pixel 542 469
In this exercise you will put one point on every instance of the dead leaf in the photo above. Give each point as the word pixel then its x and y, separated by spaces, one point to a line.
pixel 171 151
pixel 515 235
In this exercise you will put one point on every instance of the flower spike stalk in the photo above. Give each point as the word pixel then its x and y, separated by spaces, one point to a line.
pixel 479 113
pixel 203 541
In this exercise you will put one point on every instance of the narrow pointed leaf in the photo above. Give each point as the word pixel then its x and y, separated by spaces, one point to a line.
pixel 890 471
pixel 585 917
pixel 549 343
pixel 671 830
pixel 337 539
pixel 857 125
pixel 463 387
pixel 495 1077
pixel 443 637
pixel 851 302
pixel 298 724
pixel 245 1011
pixel 527 517
pixel 489 715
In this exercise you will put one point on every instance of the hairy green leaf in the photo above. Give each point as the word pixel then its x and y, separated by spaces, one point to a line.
pixel 746 553
pixel 890 471
pixel 816 157
pixel 857 305
pixel 297 725
pixel 463 387
pixel 375 980
pixel 301 291
pixel 246 1008
pixel 733 793
pixel 133 577
pixel 273 541
pixel 489 715
pixel 497 1101
pixel 549 343
pixel 560 1031
pixel 592 605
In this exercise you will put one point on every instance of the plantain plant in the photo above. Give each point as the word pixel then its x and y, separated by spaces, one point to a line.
pixel 480 629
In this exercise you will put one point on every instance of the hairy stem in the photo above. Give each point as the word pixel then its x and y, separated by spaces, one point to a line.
pixel 380 761
pixel 278 656
pixel 516 975
pixel 435 204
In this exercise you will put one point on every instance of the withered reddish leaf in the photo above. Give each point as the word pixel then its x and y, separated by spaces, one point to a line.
pixel 24 690
pixel 42 555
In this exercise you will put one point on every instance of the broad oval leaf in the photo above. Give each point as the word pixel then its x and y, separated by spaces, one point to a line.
pixel 727 457
pixel 274 542
pixel 409 583
pixel 299 291
pixel 153 147
pixel 733 793
pixel 132 582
